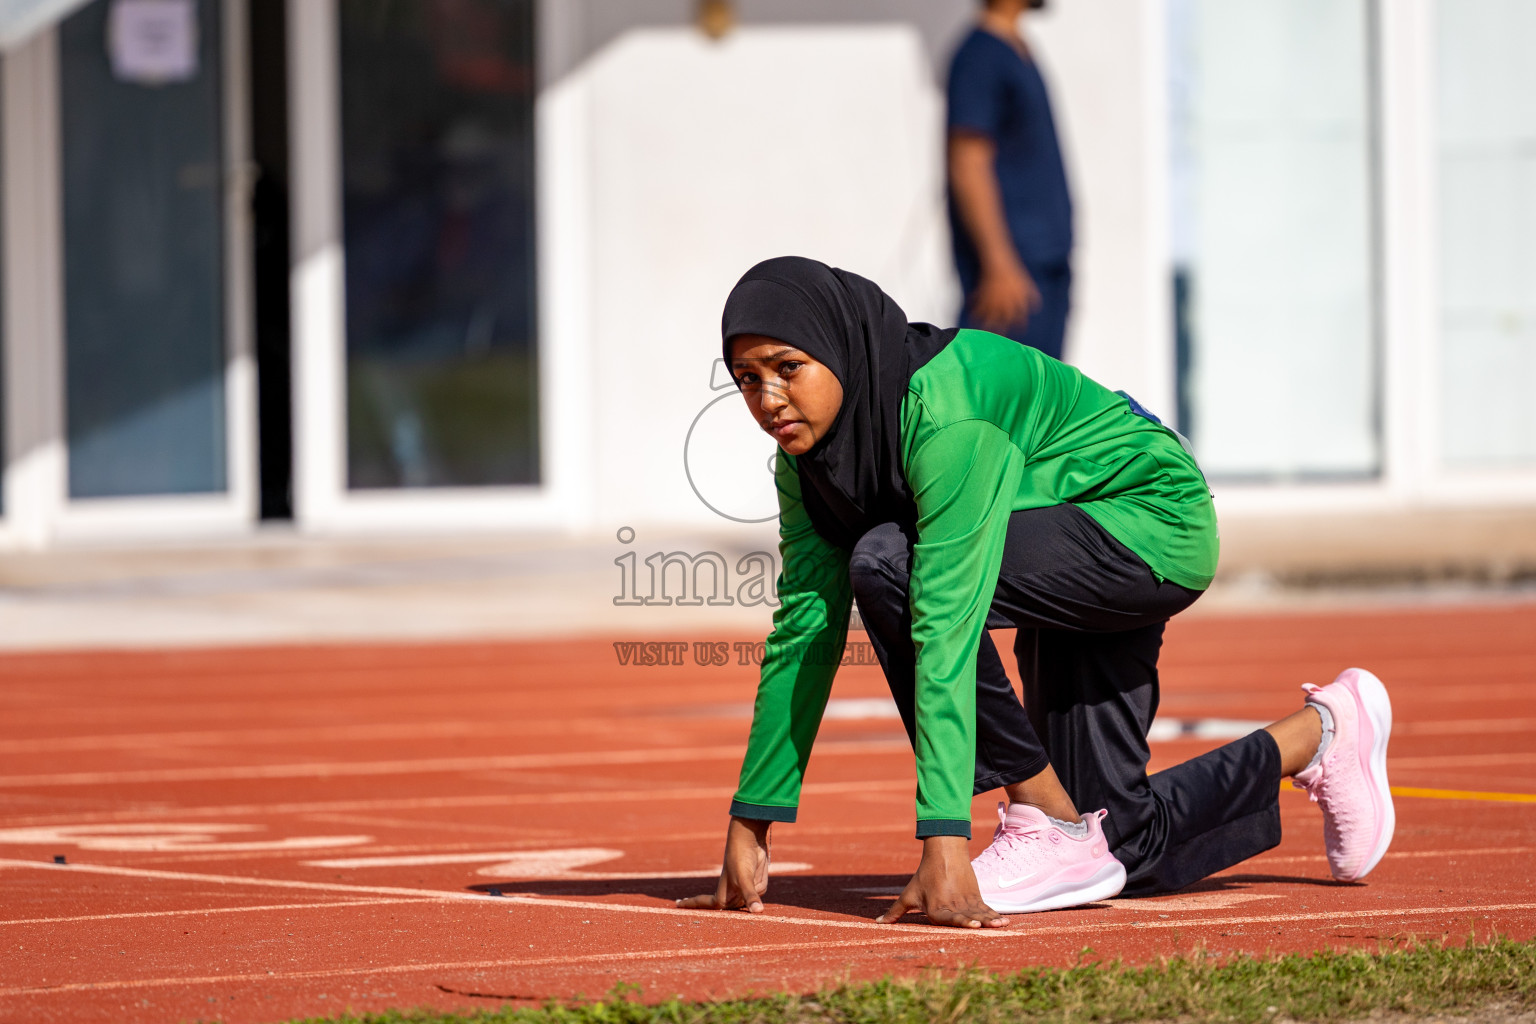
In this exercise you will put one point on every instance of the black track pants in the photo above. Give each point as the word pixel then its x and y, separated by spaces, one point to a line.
pixel 1090 617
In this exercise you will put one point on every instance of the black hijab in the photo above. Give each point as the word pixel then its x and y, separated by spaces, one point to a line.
pixel 851 479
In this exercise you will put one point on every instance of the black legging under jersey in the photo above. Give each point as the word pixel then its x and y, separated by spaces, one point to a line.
pixel 1090 617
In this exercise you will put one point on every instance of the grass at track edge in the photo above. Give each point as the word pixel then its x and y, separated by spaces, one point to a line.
pixel 1330 986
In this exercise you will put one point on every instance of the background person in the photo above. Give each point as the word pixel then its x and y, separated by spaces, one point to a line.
pixel 1010 211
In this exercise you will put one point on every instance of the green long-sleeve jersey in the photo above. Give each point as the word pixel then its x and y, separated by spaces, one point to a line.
pixel 988 427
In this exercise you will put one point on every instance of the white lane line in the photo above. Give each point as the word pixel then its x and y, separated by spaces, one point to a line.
pixel 230 737
pixel 1318 858
pixel 1164 729
pixel 555 860
pixel 854 709
pixel 1464 726
pixel 1024 924
pixel 319 905
pixel 299 735
pixel 421 894
pixel 927 935
pixel 514 762
pixel 510 762
pixel 171 837
pixel 263 883
pixel 564 865
pixel 1462 760
pixel 446 802
pixel 903 831
pixel 1326 915
pixel 845 708
pixel 754 950
pixel 1200 901
pixel 736 915
pixel 802 832
pixel 1029 930
pixel 704 875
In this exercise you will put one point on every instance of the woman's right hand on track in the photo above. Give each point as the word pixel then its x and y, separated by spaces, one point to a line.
pixel 744 876
pixel 945 889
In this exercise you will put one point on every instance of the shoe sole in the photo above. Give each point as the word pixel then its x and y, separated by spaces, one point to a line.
pixel 1106 882
pixel 1371 698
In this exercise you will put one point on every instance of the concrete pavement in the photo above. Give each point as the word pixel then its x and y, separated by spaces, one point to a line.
pixel 278 586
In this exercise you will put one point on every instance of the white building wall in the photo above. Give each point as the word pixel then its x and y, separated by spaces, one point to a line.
pixel 707 157
pixel 825 140
pixel 1105 63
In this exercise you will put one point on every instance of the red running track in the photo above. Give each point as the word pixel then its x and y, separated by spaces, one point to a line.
pixel 257 835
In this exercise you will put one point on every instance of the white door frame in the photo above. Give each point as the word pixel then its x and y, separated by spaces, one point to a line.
pixel 322 501
pixel 39 509
pixel 32 470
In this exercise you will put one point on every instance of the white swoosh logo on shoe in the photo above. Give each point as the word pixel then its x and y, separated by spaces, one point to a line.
pixel 1009 883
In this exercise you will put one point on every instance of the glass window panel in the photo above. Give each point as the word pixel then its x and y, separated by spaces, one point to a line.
pixel 1487 181
pixel 143 265
pixel 1273 236
pixel 437 143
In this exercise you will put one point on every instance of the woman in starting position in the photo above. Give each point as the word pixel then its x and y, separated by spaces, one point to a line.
pixel 956 481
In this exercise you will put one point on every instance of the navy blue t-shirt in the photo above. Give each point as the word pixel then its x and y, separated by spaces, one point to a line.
pixel 995 91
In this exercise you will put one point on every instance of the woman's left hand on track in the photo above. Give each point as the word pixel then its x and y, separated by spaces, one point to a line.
pixel 945 888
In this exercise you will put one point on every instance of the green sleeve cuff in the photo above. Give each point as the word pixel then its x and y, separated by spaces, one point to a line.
pixel 942 827
pixel 762 812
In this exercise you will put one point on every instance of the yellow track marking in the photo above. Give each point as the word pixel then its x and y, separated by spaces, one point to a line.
pixel 1464 794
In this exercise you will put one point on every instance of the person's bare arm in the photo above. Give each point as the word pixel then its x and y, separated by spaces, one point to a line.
pixel 1005 295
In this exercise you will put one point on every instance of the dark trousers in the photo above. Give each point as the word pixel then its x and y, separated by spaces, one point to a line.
pixel 1090 617
pixel 1046 327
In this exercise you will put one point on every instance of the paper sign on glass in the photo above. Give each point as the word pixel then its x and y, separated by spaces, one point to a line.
pixel 153 42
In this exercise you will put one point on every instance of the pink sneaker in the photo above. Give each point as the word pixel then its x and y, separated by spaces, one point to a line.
pixel 1033 865
pixel 1349 780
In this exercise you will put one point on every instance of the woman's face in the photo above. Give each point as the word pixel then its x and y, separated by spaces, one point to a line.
pixel 792 396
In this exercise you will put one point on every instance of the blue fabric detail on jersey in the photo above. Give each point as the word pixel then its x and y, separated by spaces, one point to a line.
pixel 1138 408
